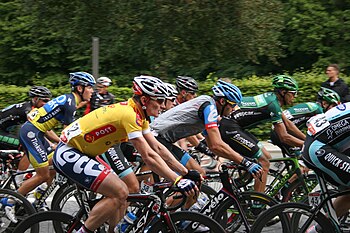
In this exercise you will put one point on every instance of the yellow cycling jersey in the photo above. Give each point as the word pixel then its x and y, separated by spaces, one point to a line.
pixel 96 132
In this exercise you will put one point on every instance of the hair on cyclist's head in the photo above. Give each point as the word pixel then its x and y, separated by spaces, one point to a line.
pixel 39 91
pixel 186 83
pixel 228 91
pixel 149 86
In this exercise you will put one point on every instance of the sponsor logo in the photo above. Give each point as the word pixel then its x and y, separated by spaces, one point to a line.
pixel 31 134
pixel 138 120
pixel 99 133
pixel 320 152
pixel 341 107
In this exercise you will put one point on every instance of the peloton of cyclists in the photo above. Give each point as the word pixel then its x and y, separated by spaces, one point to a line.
pixel 254 110
pixel 82 141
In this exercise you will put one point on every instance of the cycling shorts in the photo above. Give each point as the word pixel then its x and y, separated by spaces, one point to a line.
pixel 323 158
pixel 241 141
pixel 115 158
pixel 181 155
pixel 35 145
pixel 79 167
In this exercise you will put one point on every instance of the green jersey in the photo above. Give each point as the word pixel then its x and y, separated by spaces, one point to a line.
pixel 255 110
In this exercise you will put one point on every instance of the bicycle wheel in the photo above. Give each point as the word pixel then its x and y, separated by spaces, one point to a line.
pixel 292 217
pixel 252 203
pixel 22 209
pixel 186 221
pixel 46 222
pixel 68 201
pixel 58 193
pixel 296 192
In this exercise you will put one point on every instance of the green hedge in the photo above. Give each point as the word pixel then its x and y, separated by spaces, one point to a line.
pixel 309 84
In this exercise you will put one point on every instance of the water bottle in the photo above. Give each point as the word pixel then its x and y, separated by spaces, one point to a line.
pixel 128 220
pixel 40 191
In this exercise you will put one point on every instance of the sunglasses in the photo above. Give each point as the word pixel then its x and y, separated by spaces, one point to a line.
pixel 294 93
pixel 191 92
pixel 98 86
pixel 45 100
pixel 160 100
pixel 232 103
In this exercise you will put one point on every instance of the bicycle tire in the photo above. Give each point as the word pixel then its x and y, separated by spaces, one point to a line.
pixel 67 196
pixel 296 193
pixel 23 209
pixel 58 192
pixel 290 214
pixel 207 190
pixel 227 214
pixel 182 220
pixel 39 218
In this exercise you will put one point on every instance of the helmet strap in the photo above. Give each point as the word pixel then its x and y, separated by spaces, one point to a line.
pixel 144 107
pixel 283 96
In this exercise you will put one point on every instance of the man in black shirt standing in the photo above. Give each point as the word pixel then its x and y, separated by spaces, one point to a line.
pixel 335 83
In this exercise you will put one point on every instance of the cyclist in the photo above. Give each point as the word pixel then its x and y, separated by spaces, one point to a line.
pixel 82 141
pixel 299 114
pixel 187 89
pixel 327 150
pixel 196 115
pixel 101 97
pixel 254 110
pixel 40 123
pixel 13 116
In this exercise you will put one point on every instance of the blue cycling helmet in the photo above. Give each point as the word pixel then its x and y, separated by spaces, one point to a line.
pixel 81 78
pixel 227 91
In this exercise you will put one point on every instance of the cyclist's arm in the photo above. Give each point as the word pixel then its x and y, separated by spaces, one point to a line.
pixel 52 136
pixel 152 159
pixel 193 140
pixel 292 128
pixel 165 154
pixel 219 147
pixel 285 137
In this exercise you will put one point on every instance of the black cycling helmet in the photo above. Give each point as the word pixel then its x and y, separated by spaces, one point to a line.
pixel 186 83
pixel 39 91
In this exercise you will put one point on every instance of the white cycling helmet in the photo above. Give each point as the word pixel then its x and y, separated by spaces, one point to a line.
pixel 104 81
pixel 149 85
pixel 172 92
pixel 186 83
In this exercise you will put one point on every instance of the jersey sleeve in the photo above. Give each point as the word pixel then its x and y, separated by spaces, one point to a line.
pixel 134 125
pixel 275 112
pixel 210 115
pixel 69 111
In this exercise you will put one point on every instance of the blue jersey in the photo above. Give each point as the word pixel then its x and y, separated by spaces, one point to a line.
pixel 60 109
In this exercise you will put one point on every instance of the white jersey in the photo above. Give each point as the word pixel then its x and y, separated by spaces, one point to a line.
pixel 186 119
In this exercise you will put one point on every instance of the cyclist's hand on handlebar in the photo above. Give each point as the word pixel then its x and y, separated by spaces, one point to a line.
pixel 252 167
pixel 187 185
pixel 203 148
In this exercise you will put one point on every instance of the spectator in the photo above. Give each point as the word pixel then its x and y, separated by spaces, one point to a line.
pixel 101 97
pixel 335 83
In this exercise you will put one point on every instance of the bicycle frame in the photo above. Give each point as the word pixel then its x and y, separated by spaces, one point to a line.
pixel 291 167
pixel 227 191
pixel 326 204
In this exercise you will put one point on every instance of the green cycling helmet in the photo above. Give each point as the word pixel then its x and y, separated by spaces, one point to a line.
pixel 329 95
pixel 285 82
